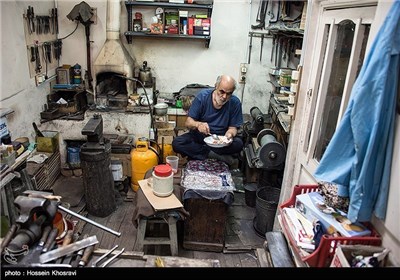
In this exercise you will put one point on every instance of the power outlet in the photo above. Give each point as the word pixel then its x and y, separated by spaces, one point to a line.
pixel 242 73
pixel 94 16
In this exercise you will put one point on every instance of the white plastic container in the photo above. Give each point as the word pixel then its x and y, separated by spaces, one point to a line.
pixel 163 184
pixel 116 167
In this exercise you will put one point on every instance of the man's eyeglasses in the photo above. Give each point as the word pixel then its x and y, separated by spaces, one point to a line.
pixel 222 92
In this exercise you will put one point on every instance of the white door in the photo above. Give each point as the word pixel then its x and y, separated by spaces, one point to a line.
pixel 342 35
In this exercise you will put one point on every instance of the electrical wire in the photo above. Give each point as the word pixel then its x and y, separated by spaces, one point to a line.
pixel 77 23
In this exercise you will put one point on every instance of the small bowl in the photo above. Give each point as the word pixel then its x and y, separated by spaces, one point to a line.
pixel 161 109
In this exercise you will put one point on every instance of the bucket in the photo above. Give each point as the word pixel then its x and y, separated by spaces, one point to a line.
pixel 267 199
pixel 250 194
pixel 73 156
pixel 116 167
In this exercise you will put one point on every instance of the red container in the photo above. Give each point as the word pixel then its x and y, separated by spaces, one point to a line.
pixel 323 255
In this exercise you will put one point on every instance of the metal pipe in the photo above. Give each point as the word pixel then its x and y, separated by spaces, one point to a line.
pixel 89 221
pixel 113 257
pixel 94 264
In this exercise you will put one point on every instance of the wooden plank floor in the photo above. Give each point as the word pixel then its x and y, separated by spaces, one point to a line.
pixel 241 241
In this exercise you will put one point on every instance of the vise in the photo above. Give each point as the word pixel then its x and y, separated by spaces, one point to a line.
pixel 35 212
pixel 267 152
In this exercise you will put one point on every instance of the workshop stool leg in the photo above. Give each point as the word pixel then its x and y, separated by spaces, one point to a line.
pixel 172 240
pixel 141 232
pixel 173 236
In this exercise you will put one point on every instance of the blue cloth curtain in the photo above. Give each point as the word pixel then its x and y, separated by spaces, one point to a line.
pixel 359 155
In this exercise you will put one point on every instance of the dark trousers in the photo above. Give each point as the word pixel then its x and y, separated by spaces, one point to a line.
pixel 192 145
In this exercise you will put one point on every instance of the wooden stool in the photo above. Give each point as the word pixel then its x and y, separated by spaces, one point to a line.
pixel 142 239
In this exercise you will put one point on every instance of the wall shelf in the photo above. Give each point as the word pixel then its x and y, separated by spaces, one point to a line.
pixel 130 34
pixel 134 6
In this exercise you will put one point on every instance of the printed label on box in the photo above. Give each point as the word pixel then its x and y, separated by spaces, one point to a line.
pixel 313 207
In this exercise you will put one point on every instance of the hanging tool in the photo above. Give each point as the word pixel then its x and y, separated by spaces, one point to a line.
pixel 57 45
pixel 33 54
pixel 30 15
pixel 250 46
pixel 53 25
pixel 47 52
pixel 262 44
pixel 56 17
pixel 46 48
pixel 274 8
pixel 288 50
pixel 262 12
pixel 278 52
pixel 37 55
pixel 273 47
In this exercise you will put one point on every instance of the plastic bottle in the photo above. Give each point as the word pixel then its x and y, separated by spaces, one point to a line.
pixel 77 74
pixel 185 27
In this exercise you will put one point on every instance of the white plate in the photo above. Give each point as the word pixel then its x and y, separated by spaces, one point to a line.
pixel 210 142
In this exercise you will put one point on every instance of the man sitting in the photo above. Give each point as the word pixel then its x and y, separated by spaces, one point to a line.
pixel 213 111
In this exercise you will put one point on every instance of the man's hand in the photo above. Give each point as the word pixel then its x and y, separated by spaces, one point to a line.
pixel 203 128
pixel 231 132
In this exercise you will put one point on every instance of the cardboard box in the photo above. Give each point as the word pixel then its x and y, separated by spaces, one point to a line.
pixel 164 140
pixel 169 131
pixel 345 253
pixel 312 205
pixel 49 143
pixel 179 120
pixel 126 163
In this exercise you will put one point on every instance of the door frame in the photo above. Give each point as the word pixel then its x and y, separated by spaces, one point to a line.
pixel 302 121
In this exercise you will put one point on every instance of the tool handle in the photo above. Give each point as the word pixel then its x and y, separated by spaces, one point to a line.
pixel 52 236
pixel 86 255
pixel 68 237
pixel 78 258
pixel 38 132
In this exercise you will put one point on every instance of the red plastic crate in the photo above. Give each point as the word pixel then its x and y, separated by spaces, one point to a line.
pixel 323 255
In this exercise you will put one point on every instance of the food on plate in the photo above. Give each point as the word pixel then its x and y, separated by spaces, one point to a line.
pixel 222 140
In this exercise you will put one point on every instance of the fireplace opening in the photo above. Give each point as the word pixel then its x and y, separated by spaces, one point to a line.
pixel 111 90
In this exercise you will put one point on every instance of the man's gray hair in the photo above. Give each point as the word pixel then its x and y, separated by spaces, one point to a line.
pixel 219 78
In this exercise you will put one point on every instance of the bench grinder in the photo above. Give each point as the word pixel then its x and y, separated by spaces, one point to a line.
pixel 267 152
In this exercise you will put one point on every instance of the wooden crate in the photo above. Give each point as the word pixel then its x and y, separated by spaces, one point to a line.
pixel 204 230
